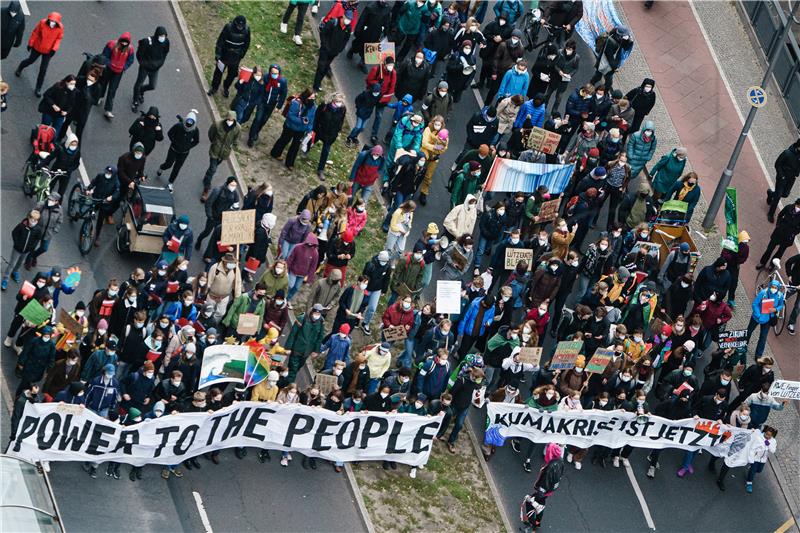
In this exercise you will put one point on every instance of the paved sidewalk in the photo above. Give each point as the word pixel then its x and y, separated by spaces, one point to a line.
pixel 694 109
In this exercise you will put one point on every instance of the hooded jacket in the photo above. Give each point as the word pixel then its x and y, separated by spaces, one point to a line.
pixel 275 89
pixel 232 42
pixel 58 95
pixel 151 52
pixel 413 79
pixel 26 238
pixel 461 219
pixel 146 130
pixel 306 336
pixel 45 39
pixel 544 285
pixel 387 80
pixel 64 159
pixel 119 60
pixel 303 258
pixel 298 111
pixel 294 232
pixel 530 111
pixel 36 358
pixel 378 275
pixel 13 28
pixel 639 150
pixel 481 129
pixel 328 121
pixel 667 171
pixel 407 275
pixel 222 138
pixel 183 138
pixel 406 136
pixel 642 102
pixel 778 297
pixel 333 36
pixel 50 220
pixel 514 82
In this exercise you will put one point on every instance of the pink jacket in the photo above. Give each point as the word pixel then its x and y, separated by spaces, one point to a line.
pixel 303 259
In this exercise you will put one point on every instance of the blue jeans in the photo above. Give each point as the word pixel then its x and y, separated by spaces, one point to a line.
pixel 373 385
pixel 459 423
pixel 374 298
pixel 359 127
pixel 754 469
pixel 397 200
pixel 295 282
pixel 286 249
pixel 404 359
pixel 688 459
pixel 366 192
pixel 376 123
pixel 483 244
pixel 762 335
pixel 43 246
pixel 48 120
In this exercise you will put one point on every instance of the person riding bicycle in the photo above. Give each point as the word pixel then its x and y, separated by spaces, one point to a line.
pixel 43 140
pixel 67 159
pixel 105 187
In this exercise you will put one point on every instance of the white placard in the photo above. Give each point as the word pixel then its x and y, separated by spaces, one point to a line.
pixel 782 388
pixel 448 297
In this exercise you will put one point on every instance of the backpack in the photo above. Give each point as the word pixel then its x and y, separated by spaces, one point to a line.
pixel 569 210
pixel 288 104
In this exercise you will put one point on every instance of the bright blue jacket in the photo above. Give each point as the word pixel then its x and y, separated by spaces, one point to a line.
pixel 401 107
pixel 536 114
pixel 405 136
pixel 468 322
pixel 763 318
pixel 173 310
pixel 338 350
pixel 297 112
pixel 514 83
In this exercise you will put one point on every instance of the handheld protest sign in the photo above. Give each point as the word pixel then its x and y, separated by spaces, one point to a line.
pixel 566 355
pixel 530 356
pixel 600 360
pixel 394 333
pixel 69 323
pixel 548 211
pixel 448 297
pixel 515 255
pixel 326 383
pixel 782 388
pixel 34 313
pixel 736 338
pixel 238 227
pixel 248 324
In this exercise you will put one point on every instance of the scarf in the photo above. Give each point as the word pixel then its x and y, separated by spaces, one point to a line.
pixel 686 189
pixel 355 302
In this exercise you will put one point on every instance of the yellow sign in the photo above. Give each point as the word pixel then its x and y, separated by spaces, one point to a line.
pixel 238 227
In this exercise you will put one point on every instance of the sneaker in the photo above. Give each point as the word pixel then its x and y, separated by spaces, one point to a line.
pixel 314 9
pixel 527 466
pixel 413 473
pixel 170 187
pixel 690 469
pixel 569 457
pixel 93 472
pixel 373 140
pixel 682 472
pixel 721 484
pixel 298 40
pixel 651 472
pixel 365 329
pixel 132 475
pixel 423 198
pixel 177 472
pixel 211 92
pixel 225 92
pixel 289 306
pixel 289 456
pixel 284 461
pixel 578 465
pixel 8 342
pixel 625 462
pixel 451 448
pixel 134 107
pixel 18 73
pixel 790 329
pixel 165 473
pixel 321 175
pixel 337 469
pixel 15 276
pixel 615 461
pixel 109 115
pixel 515 445
pixel 749 487
pixel 4 283
pixel 284 27
pixel 115 473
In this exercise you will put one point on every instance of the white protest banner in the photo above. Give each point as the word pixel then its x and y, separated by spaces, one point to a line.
pixel 448 296
pixel 782 388
pixel 56 432
pixel 223 363
pixel 615 429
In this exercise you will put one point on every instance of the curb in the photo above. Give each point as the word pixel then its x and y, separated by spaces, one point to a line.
pixel 198 73
pixel 359 498
pixel 486 472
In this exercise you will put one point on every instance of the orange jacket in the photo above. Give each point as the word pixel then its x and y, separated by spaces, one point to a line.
pixel 45 39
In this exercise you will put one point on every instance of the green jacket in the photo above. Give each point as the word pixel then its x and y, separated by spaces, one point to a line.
pixel 410 17
pixel 407 275
pixel 532 207
pixel 274 283
pixel 666 172
pixel 241 305
pixel 305 337
pixel 463 184
pixel 222 140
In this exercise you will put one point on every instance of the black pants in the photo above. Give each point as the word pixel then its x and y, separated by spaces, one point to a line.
pixel 557 89
pixel 409 42
pixel 16 323
pixel 609 79
pixel 112 84
pixel 32 57
pixel 466 345
pixel 301 14
pixel 615 197
pixel 286 137
pixel 783 187
pixel 213 163
pixel 734 272
pixel 233 72
pixel 175 161
pixel 138 88
pixel 210 225
pixel 103 213
pixel 263 112
pixel 774 242
pixel 323 65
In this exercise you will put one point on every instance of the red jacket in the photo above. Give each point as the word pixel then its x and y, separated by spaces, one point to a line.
pixel 45 39
pixel 387 80
pixel 396 316
pixel 712 312
pixel 119 60
pixel 541 321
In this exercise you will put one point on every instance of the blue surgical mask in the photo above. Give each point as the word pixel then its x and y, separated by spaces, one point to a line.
pixel 273 76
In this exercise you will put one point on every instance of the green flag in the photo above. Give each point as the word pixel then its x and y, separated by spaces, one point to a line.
pixel 731 240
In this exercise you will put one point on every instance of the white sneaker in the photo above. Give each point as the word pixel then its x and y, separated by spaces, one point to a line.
pixel 413 473
pixel 170 187
pixel 616 462
pixel 8 342
pixel 790 328
pixel 578 465
pixel 314 11
pixel 626 462
pixel 284 27
pixel 569 457
pixel 17 349
pixel 421 467
pixel 651 472
pixel 298 40
pixel 109 114
pixel 284 461
pixel 289 456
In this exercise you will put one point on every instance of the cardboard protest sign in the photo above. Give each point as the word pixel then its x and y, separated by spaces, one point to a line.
pixel 238 227
pixel 70 324
pixel 544 141
pixel 34 313
pixel 376 53
pixel 448 297
pixel 515 255
pixel 224 363
pixel 326 383
pixel 248 324
pixel 394 333
pixel 732 339
pixel 530 355
pixel 567 353
pixel 600 360
pixel 782 388
pixel 548 211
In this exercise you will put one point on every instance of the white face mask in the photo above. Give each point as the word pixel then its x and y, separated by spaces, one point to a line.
pixel 363 286
pixel 417 61
pixel 389 68
pixel 230 266
pixel 89 83
pixel 51 23
pixel 149 375
pixel 442 93
pixel 229 122
pixel 384 395
pixel 176 383
pixel 101 332
pixel 578 370
pixel 137 155
pixel 417 257
pixel 162 38
pixel 80 314
pixel 257 77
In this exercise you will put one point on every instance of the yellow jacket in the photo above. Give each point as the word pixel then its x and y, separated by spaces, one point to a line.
pixel 378 364
pixel 430 140
pixel 398 225
pixel 264 393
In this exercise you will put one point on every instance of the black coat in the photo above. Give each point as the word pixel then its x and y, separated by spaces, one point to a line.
pixel 333 37
pixel 788 225
pixel 36 358
pixel 220 199
pixel 412 79
pixel 85 97
pixel 181 139
pixel 642 102
pixel 65 160
pixel 378 275
pixel 328 122
pixel 143 130
pixel 260 245
pixel 232 43
pixel 104 188
pixel 25 238
pixel 372 22
pixel 151 53
pixel 13 28
pixel 59 95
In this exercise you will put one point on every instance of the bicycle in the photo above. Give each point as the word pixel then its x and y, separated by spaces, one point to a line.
pixel 81 206
pixel 780 324
pixel 38 183
pixel 532 25
pixel 767 274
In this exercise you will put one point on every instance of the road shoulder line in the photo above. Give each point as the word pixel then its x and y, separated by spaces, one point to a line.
pixel 639 496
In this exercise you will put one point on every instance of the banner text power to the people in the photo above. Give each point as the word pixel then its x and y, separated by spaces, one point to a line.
pixel 56 432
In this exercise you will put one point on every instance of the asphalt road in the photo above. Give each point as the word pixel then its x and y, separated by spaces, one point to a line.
pixel 238 495
pixel 594 499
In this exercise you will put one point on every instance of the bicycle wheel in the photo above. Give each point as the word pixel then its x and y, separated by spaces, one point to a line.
pixel 85 241
pixel 123 239
pixel 27 180
pixel 73 208
pixel 780 323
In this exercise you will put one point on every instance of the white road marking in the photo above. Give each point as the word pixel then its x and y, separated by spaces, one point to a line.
pixel 202 510
pixel 640 497
pixel 24 5
pixel 81 167
pixel 478 97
